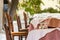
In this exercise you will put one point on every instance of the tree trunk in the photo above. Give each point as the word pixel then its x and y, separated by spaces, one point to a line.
pixel 13 7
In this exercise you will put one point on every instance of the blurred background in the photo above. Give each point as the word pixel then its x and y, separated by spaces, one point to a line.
pixel 33 8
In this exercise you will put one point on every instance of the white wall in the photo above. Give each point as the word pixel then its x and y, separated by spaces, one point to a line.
pixel 1 13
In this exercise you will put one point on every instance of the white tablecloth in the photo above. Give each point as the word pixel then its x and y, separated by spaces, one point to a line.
pixel 37 18
pixel 39 33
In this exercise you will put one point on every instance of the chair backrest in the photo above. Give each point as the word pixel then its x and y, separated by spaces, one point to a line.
pixel 25 19
pixel 19 21
pixel 7 31
pixel 10 22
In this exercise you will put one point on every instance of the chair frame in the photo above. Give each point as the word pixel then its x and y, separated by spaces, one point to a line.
pixel 19 23
pixel 10 25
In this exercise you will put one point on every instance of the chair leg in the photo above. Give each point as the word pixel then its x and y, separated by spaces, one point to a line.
pixel 25 37
pixel 20 38
pixel 12 37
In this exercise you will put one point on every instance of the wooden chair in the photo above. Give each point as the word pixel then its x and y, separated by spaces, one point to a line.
pixel 19 24
pixel 10 34
pixel 10 24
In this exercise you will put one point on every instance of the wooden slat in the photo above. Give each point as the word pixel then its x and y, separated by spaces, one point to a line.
pixel 10 21
pixel 19 33
pixel 25 19
pixel 18 22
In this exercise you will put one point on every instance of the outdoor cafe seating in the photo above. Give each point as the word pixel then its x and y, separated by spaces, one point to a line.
pixel 43 29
